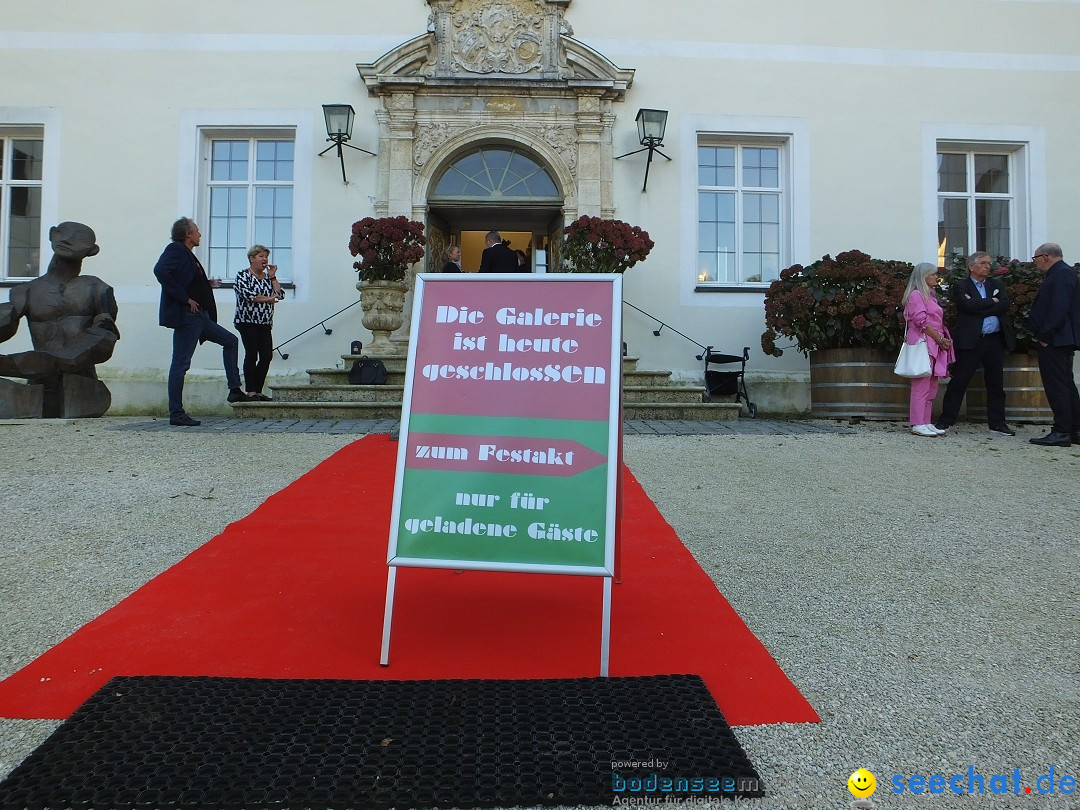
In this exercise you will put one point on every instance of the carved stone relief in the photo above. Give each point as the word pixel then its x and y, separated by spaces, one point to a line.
pixel 564 140
pixel 432 135
pixel 500 37
pixel 437 242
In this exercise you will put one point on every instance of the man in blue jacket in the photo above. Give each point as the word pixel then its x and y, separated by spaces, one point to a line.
pixel 1055 321
pixel 189 309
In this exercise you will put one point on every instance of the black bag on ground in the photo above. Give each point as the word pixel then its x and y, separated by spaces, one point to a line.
pixel 367 371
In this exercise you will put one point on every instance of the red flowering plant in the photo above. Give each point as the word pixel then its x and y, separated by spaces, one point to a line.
pixel 387 247
pixel 1022 281
pixel 594 245
pixel 851 301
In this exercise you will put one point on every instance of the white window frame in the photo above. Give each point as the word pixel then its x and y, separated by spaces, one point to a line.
pixel 970 196
pixel 43 123
pixel 792 136
pixel 739 191
pixel 199 127
pixel 1027 177
pixel 250 136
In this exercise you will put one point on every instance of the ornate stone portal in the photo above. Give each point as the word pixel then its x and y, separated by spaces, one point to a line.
pixel 489 72
pixel 495 72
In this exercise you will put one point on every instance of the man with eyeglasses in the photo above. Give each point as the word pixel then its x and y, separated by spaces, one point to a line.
pixel 1055 321
pixel 981 336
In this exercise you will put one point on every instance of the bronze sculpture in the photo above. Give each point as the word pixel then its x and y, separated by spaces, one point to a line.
pixel 72 321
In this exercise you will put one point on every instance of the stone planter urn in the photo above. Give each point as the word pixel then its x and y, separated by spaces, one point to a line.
pixel 383 305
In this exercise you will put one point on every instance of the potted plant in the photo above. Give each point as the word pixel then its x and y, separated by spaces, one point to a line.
pixel 387 247
pixel 594 245
pixel 845 314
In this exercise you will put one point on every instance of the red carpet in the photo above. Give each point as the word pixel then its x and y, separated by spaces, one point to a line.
pixel 296 590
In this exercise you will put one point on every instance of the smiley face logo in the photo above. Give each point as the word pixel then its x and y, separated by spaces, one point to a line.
pixel 862 783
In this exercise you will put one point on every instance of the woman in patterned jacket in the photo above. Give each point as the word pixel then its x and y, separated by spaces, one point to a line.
pixel 257 290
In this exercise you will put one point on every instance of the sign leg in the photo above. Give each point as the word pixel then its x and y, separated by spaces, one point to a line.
pixel 388 614
pixel 605 629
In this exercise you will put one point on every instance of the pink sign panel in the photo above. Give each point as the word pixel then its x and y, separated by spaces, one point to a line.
pixel 529 348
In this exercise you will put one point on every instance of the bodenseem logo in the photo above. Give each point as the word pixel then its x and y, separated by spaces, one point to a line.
pixel 973 782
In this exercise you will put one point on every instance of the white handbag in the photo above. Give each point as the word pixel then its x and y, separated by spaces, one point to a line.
pixel 914 360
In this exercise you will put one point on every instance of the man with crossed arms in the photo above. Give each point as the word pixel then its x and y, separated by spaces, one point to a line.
pixel 981 336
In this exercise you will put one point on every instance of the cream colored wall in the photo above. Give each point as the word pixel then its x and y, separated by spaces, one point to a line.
pixel 864 81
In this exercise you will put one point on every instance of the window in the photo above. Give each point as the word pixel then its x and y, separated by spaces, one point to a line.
pixel 741 212
pixel 249 200
pixel 496 172
pixel 20 203
pixel 976 203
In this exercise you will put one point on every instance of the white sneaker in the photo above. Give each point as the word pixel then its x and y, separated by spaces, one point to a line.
pixel 924 430
pixel 937 431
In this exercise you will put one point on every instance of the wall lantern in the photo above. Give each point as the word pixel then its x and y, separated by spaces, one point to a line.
pixel 339 123
pixel 651 125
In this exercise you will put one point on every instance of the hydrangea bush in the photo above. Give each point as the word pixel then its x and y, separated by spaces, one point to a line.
pixel 851 301
pixel 594 245
pixel 387 247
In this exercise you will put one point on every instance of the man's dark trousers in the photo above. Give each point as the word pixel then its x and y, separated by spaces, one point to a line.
pixel 989 353
pixel 1056 368
pixel 196 327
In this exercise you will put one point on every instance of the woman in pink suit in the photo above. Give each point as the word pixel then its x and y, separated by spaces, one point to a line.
pixel 924 318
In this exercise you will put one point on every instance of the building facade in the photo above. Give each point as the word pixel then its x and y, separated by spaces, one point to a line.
pixel 794 130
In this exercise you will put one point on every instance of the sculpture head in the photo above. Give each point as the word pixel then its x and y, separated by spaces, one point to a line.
pixel 73 240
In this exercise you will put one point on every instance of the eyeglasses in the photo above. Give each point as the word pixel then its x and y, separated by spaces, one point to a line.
pixel 1038 256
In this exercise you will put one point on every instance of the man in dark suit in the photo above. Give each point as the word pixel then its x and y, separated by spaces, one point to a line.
pixel 497 257
pixel 188 308
pixel 1055 321
pixel 981 336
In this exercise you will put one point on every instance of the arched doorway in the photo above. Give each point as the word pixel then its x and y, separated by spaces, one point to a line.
pixel 495 186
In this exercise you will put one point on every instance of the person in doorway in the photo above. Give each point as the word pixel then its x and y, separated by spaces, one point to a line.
pixel 1055 321
pixel 497 257
pixel 522 261
pixel 188 308
pixel 983 334
pixel 925 318
pixel 257 290
pixel 453 259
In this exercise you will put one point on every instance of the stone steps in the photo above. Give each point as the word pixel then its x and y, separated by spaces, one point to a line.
pixel 328 395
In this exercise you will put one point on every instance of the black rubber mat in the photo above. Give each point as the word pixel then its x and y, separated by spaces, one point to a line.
pixel 163 742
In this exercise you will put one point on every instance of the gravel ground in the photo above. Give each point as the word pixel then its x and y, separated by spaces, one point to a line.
pixel 931 639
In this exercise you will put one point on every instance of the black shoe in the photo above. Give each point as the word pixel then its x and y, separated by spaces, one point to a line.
pixel 942 425
pixel 184 421
pixel 261 398
pixel 236 395
pixel 1053 440
pixel 1003 430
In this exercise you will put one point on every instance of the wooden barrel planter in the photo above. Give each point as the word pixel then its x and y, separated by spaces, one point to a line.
pixel 847 383
pixel 1025 400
